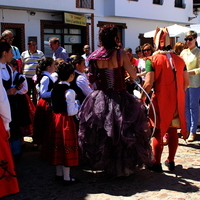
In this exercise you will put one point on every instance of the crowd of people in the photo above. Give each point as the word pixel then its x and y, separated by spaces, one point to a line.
pixel 104 110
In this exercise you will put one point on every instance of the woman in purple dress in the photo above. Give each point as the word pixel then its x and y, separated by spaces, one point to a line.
pixel 113 130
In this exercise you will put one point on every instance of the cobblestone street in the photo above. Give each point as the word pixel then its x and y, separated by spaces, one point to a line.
pixel 36 178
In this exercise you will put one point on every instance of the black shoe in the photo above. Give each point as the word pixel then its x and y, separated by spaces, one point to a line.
pixel 70 182
pixel 170 165
pixel 156 167
pixel 58 178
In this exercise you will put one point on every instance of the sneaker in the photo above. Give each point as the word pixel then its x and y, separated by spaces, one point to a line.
pixel 170 165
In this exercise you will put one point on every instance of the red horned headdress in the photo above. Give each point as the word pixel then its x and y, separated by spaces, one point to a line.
pixel 161 38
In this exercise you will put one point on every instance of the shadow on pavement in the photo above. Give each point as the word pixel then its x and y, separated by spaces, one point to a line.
pixel 37 181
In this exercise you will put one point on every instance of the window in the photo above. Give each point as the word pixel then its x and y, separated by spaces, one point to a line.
pixel 84 4
pixel 160 2
pixel 70 39
pixel 179 4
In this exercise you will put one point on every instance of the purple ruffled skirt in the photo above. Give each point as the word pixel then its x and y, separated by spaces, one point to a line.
pixel 113 133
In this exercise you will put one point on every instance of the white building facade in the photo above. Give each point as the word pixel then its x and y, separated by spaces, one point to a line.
pixel 77 22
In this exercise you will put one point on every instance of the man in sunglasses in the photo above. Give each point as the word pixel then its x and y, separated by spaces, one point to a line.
pixel 8 37
pixel 191 56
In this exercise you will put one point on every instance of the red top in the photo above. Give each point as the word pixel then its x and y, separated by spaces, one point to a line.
pixel 169 92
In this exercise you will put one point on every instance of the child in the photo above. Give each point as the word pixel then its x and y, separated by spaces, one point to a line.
pixel 80 84
pixel 64 144
pixel 8 179
pixel 43 114
pixel 23 111
pixel 18 106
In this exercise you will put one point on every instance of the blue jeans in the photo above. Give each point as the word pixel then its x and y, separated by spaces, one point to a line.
pixel 192 108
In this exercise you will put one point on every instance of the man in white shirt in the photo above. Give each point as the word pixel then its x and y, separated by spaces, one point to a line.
pixel 86 49
pixel 30 59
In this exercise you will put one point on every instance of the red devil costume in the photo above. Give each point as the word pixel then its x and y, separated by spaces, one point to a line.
pixel 166 73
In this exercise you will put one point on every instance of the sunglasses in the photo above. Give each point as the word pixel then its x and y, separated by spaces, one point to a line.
pixel 32 44
pixel 190 39
pixel 146 50
pixel 11 38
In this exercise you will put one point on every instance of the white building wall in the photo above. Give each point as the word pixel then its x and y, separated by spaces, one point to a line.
pixel 141 16
pixel 145 9
pixel 41 4
pixel 32 23
pixel 47 5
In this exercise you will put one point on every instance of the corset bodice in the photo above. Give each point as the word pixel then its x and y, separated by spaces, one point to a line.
pixel 111 79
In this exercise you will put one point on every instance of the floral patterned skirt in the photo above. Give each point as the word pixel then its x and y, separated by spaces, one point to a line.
pixel 8 180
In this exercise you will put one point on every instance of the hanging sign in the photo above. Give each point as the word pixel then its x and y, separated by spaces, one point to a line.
pixel 74 19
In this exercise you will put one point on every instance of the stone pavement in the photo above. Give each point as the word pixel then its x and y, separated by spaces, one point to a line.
pixel 36 179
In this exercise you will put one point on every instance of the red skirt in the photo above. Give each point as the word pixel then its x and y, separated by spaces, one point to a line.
pixel 8 180
pixel 26 129
pixel 62 142
pixel 42 121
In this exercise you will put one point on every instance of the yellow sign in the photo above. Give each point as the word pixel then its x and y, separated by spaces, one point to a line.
pixel 74 19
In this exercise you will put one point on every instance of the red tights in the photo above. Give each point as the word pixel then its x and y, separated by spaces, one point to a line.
pixel 157 143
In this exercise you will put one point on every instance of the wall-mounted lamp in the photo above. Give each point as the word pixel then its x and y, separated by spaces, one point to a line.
pixel 32 13
pixel 195 12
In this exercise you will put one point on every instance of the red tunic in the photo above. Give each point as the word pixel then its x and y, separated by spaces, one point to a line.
pixel 8 180
pixel 169 93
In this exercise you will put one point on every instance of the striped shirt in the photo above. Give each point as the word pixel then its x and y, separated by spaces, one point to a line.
pixel 30 62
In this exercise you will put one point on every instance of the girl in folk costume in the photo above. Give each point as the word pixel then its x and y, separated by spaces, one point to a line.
pixel 166 72
pixel 12 92
pixel 43 113
pixel 26 108
pixel 64 140
pixel 8 180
